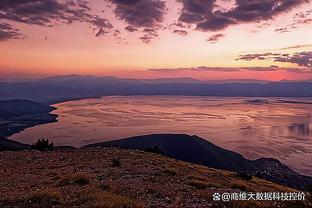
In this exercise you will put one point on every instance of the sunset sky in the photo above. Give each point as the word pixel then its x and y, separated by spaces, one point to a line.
pixel 202 39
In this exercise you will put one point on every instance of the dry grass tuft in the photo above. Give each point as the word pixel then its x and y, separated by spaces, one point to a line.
pixel 105 199
pixel 105 187
pixel 198 184
pixel 196 177
pixel 239 185
pixel 170 171
pixel 77 179
pixel 44 199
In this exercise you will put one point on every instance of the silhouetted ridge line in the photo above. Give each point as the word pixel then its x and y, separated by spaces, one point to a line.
pixel 64 88
pixel 197 150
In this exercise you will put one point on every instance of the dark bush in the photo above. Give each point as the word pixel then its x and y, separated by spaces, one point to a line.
pixel 239 185
pixel 105 187
pixel 309 188
pixel 244 176
pixel 116 162
pixel 77 179
pixel 155 149
pixel 170 171
pixel 42 145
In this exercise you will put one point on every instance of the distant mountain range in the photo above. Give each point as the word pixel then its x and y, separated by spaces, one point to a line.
pixel 62 88
pixel 200 151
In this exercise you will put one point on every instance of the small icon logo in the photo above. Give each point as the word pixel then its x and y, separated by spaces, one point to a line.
pixel 216 197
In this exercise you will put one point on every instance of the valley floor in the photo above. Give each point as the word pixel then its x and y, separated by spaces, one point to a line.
pixel 107 177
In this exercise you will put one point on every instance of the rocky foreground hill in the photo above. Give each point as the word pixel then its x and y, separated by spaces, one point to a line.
pixel 110 177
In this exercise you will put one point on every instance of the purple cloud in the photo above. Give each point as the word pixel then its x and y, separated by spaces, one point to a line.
pixel 215 38
pixel 282 30
pixel 181 32
pixel 208 17
pixel 253 56
pixel 232 69
pixel 7 32
pixel 296 47
pixel 50 12
pixel 131 28
pixel 217 69
pixel 147 14
pixel 140 13
pixel 303 59
pixel 301 18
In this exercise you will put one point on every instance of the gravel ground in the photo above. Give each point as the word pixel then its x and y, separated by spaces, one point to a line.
pixel 107 177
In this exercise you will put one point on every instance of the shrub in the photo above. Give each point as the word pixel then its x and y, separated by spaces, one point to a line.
pixel 244 176
pixel 116 162
pixel 42 145
pixel 80 180
pixel 170 171
pixel 196 177
pixel 155 149
pixel 105 187
pixel 309 188
pixel 199 184
pixel 239 185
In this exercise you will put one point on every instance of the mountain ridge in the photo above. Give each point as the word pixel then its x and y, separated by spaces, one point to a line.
pixel 200 151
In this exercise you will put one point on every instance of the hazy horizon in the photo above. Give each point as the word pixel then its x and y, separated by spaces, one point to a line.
pixel 29 78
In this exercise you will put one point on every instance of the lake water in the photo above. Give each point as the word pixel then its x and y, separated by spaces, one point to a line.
pixel 270 127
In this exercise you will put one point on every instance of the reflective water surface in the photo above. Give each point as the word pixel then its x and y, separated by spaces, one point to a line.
pixel 262 127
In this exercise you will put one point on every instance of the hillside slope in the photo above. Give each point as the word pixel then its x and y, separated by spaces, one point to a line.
pixel 108 177
pixel 17 115
pixel 184 147
pixel 200 151
pixel 12 108
pixel 10 145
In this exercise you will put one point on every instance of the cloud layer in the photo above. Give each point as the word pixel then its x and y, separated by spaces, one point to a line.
pixel 147 14
pixel 300 18
pixel 142 16
pixel 232 69
pixel 7 32
pixel 48 13
pixel 140 13
pixel 215 38
pixel 207 16
pixel 303 59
